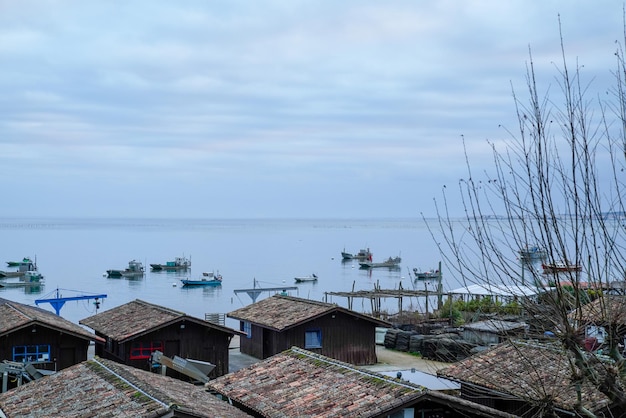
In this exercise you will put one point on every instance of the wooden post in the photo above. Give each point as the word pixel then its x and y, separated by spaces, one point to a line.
pixel 440 290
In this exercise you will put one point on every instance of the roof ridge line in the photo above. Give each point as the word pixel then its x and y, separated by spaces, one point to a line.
pixel 95 359
pixel 15 308
pixel 160 307
pixel 311 301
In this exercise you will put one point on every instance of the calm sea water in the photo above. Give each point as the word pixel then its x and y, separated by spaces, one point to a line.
pixel 73 255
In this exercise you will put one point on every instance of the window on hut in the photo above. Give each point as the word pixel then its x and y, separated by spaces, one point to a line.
pixel 246 327
pixel 313 338
pixel 31 353
pixel 143 350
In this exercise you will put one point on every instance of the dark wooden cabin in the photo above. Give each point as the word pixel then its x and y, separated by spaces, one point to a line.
pixel 31 334
pixel 280 322
pixel 133 331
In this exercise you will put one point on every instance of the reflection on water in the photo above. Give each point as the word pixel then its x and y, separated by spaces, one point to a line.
pixel 207 291
pixel 29 289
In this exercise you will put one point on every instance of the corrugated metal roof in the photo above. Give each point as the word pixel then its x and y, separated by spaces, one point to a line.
pixel 488 289
pixel 495 326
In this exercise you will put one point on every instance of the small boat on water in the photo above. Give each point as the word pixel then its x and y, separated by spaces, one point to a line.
pixel 391 262
pixel 6 274
pixel 23 267
pixel 32 276
pixel 560 267
pixel 179 263
pixel 135 269
pixel 26 261
pixel 207 279
pixel 363 254
pixel 532 253
pixel 426 275
pixel 302 279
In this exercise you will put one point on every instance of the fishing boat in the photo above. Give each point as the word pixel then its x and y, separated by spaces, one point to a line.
pixel 32 276
pixel 135 269
pixel 26 260
pixel 426 275
pixel 179 263
pixel 363 254
pixel 391 262
pixel 7 274
pixel 532 253
pixel 207 279
pixel 24 266
pixel 302 279
pixel 560 267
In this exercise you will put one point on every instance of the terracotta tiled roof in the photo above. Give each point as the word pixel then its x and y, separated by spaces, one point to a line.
pixel 297 383
pixel 16 315
pixel 282 312
pixel 103 388
pixel 605 310
pixel 527 371
pixel 137 317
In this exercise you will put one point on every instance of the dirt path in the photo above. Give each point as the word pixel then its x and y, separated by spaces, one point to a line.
pixel 392 360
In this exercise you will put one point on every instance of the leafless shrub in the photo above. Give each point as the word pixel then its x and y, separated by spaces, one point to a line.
pixel 558 184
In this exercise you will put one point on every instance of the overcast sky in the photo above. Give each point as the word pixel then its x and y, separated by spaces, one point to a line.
pixel 287 108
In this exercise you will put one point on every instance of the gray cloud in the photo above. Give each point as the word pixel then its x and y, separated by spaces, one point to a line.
pixel 274 108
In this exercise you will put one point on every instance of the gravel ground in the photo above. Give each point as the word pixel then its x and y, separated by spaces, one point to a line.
pixel 392 360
